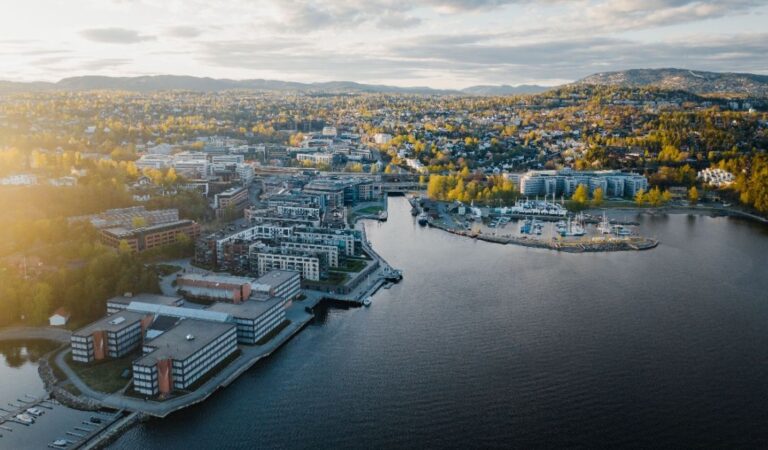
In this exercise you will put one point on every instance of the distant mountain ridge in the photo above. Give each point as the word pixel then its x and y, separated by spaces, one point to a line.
pixel 695 81
pixel 204 84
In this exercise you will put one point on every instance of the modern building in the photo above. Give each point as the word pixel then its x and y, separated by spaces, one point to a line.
pixel 330 252
pixel 121 302
pixel 564 182
pixel 147 238
pixel 343 239
pixel 278 283
pixel 214 287
pixel 110 337
pixel 264 259
pixel 254 318
pixel 235 198
pixel 183 355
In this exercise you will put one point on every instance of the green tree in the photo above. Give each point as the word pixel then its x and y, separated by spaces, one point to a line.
pixel 139 222
pixel 124 247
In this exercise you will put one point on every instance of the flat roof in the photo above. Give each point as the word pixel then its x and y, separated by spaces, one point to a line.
pixel 154 299
pixel 173 344
pixel 215 278
pixel 115 322
pixel 250 309
pixel 276 277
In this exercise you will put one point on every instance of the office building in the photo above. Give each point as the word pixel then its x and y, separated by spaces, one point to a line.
pixel 110 337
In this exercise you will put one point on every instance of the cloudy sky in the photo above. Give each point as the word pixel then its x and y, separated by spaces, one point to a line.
pixel 436 43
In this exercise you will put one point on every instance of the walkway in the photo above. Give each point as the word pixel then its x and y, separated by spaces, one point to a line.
pixel 249 356
pixel 31 333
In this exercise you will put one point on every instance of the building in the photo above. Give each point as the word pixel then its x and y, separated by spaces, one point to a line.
pixel 59 318
pixel 254 318
pixel 126 217
pixel 121 302
pixel 110 337
pixel 183 355
pixel 316 158
pixel 343 239
pixel 264 259
pixel 278 283
pixel 214 287
pixel 565 182
pixel 382 138
pixel 147 238
pixel 235 199
pixel 330 252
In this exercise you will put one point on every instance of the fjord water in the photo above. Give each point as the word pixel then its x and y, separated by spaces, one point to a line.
pixel 490 345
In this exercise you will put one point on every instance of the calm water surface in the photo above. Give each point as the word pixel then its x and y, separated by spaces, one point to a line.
pixel 484 345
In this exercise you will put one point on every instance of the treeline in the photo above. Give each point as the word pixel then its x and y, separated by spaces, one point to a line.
pixel 751 181
pixel 81 288
pixel 465 188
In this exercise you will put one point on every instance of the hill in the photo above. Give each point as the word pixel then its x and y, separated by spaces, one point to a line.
pixel 697 82
pixel 201 84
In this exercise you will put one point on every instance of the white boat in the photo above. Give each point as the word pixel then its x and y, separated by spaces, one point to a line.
pixel 35 412
pixel 60 442
pixel 367 302
pixel 25 418
pixel 604 226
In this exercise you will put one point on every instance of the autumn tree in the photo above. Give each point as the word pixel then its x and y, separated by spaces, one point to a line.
pixel 580 195
pixel 597 196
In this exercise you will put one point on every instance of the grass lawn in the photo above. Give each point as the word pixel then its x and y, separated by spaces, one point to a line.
pixel 334 279
pixel 351 265
pixel 104 376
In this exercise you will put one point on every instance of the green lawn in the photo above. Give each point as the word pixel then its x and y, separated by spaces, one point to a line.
pixel 351 265
pixel 104 376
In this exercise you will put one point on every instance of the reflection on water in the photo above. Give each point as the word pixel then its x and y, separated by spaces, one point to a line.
pixel 498 345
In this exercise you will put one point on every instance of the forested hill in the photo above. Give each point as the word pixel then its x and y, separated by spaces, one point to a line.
pixel 745 84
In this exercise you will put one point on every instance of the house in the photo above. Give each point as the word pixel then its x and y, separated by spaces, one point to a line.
pixel 59 318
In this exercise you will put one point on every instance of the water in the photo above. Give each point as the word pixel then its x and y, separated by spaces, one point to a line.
pixel 499 346
pixel 19 377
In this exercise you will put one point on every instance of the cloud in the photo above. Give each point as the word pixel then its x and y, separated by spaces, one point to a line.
pixel 184 32
pixel 115 35
pixel 100 64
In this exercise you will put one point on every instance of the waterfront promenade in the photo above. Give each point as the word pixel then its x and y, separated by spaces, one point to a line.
pixel 249 356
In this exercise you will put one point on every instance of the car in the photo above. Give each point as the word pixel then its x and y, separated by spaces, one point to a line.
pixel 95 419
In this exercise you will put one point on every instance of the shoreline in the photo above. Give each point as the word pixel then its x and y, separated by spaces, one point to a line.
pixel 581 246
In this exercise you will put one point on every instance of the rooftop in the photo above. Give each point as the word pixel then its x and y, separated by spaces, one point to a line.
pixel 147 298
pixel 214 278
pixel 115 322
pixel 276 277
pixel 174 343
pixel 251 309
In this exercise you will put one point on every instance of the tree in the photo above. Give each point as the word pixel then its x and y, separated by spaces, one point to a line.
pixel 580 195
pixel 170 177
pixel 666 196
pixel 124 247
pixel 640 197
pixel 597 197
pixel 654 197
pixel 693 195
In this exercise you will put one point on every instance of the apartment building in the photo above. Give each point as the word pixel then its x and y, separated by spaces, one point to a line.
pixel 110 337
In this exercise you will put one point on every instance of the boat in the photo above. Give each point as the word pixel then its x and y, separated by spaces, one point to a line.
pixel 383 216
pixel 60 443
pixel 605 225
pixel 367 302
pixel 35 412
pixel 414 212
pixel 619 230
pixel 25 419
pixel 572 228
pixel 423 219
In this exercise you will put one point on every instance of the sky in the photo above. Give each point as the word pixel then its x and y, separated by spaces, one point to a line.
pixel 434 43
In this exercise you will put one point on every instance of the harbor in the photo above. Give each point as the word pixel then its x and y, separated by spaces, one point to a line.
pixel 536 224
